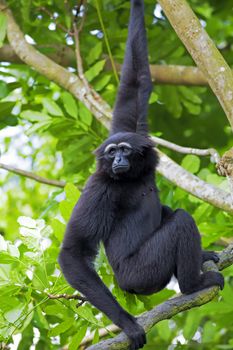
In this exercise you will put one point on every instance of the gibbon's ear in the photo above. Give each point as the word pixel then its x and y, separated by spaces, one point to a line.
pixel 130 111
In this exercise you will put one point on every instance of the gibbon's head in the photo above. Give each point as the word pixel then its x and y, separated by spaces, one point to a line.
pixel 126 155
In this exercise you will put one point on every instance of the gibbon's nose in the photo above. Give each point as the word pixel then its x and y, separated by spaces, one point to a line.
pixel 118 159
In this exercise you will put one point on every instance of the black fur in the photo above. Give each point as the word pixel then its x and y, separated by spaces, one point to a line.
pixel 145 242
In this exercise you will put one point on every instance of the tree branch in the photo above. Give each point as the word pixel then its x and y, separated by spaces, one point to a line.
pixel 103 113
pixel 171 307
pixel 172 74
pixel 194 185
pixel 67 297
pixel 161 74
pixel 53 71
pixel 32 176
pixel 188 150
pixel 177 75
pixel 203 51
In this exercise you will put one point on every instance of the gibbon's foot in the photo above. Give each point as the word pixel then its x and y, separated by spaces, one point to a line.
pixel 210 255
pixel 219 279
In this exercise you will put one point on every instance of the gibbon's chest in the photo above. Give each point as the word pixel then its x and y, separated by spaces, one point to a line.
pixel 134 221
pixel 135 209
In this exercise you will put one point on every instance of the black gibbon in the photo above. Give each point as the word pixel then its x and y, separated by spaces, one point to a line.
pixel 145 242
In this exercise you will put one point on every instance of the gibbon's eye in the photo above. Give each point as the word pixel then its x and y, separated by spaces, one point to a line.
pixel 112 152
pixel 126 148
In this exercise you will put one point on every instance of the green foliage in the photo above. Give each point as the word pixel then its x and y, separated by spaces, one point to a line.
pixel 191 163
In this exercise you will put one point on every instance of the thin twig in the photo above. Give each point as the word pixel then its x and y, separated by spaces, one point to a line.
pixel 32 176
pixel 76 32
pixel 188 150
pixel 67 297
pixel 59 25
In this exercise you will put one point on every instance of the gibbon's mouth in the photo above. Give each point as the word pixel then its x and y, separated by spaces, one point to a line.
pixel 119 169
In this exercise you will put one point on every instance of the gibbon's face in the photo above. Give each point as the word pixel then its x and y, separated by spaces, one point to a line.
pixel 119 155
pixel 125 155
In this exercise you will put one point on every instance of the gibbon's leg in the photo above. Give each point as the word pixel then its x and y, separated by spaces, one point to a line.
pixel 189 258
pixel 174 248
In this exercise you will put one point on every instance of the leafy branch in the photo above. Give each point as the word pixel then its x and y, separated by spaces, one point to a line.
pixel 32 176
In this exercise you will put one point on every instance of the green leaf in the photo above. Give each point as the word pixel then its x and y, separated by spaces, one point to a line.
pixel 33 116
pixel 191 324
pixel 192 108
pixel 209 331
pixel 56 309
pixel 5 109
pixel 66 209
pixel 6 258
pixel 62 327
pixel 4 91
pixel 12 315
pixel 58 229
pixel 96 337
pixel 3 26
pixel 13 250
pixel 70 104
pixel 102 82
pixel 39 127
pixel 85 115
pixel 191 163
pixel 86 313
pixel 94 70
pixel 164 330
pixel 76 340
pixel 153 98
pixel 72 193
pixel 52 107
pixel 95 53
pixel 189 95
pixel 172 100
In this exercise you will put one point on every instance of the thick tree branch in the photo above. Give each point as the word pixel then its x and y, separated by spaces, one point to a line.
pixel 161 74
pixel 177 75
pixel 61 54
pixel 171 307
pixel 172 74
pixel 102 111
pixel 194 185
pixel 32 176
pixel 203 51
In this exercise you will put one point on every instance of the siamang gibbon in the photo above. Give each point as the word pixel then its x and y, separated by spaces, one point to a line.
pixel 146 242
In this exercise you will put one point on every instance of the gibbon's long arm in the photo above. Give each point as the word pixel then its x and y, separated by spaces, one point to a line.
pixel 130 110
pixel 76 260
